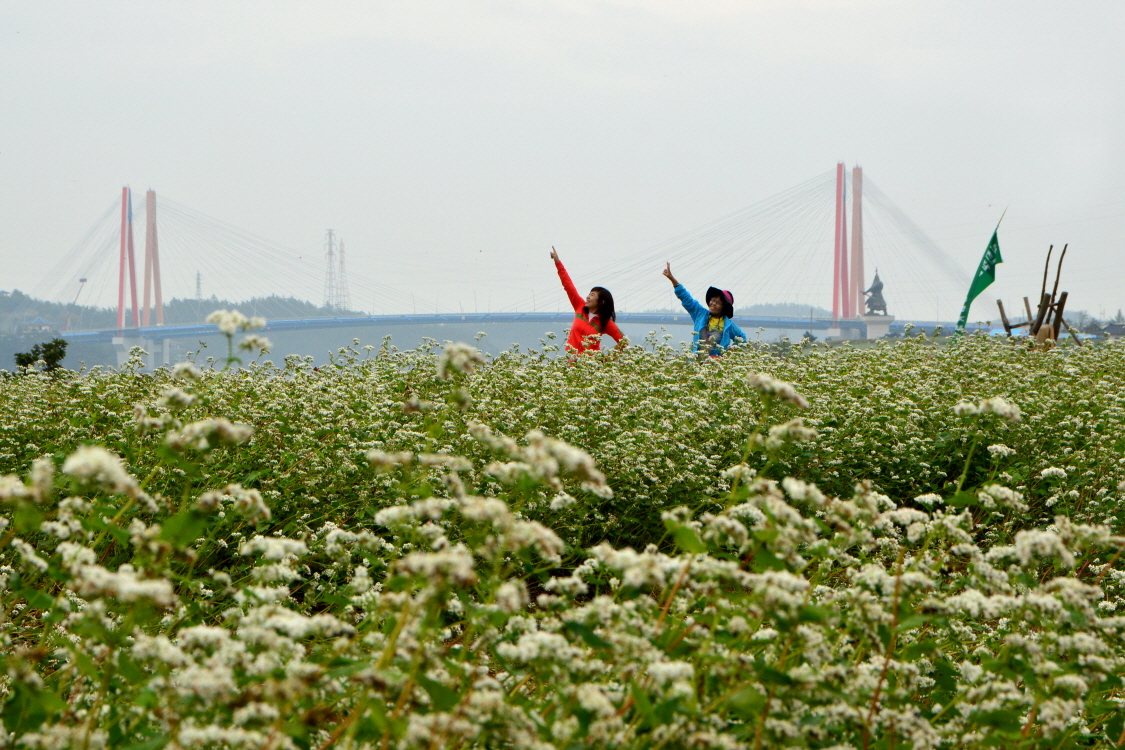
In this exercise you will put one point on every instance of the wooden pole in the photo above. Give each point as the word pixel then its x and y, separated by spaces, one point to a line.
pixel 1027 309
pixel 1004 318
pixel 1046 270
pixel 1058 272
pixel 1044 304
pixel 1057 322
pixel 1073 335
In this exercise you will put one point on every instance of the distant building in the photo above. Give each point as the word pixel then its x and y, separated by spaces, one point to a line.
pixel 36 326
pixel 1114 329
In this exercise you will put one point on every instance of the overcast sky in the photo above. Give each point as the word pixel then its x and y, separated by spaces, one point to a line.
pixel 451 144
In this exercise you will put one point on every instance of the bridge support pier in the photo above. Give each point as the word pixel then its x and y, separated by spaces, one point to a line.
pixel 159 351
pixel 122 345
pixel 878 326
pixel 839 333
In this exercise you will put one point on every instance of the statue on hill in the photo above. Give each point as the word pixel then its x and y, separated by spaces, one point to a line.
pixel 875 301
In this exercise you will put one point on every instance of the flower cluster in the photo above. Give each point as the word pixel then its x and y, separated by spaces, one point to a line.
pixel 286 557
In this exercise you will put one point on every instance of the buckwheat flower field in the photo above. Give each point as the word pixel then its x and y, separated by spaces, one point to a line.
pixel 908 546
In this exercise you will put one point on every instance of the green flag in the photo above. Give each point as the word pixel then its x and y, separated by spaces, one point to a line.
pixel 986 274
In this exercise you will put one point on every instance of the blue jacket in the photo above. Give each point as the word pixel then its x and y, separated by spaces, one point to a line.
pixel 700 315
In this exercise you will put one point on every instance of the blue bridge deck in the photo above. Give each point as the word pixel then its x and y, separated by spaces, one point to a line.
pixel 652 319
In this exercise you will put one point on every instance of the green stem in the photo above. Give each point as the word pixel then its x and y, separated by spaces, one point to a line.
pixel 968 462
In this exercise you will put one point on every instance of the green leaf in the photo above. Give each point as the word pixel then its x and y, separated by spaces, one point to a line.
pixel 150 744
pixel 918 649
pixel 914 621
pixel 665 712
pixel 813 613
pixel 962 499
pixel 86 664
pixel 587 634
pixel 765 560
pixel 747 703
pixel 36 599
pixel 685 537
pixel 1115 727
pixel 27 708
pixel 119 534
pixel 27 518
pixel 183 528
pixel 373 724
pixel 129 669
pixel 771 676
pixel 644 705
pixel 348 669
pixel 443 697
pixel 1006 720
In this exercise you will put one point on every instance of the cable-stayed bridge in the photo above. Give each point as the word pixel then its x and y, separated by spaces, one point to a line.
pixel 794 247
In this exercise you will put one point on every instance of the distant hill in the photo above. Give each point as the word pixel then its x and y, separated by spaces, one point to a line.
pixel 782 310
pixel 769 310
pixel 17 307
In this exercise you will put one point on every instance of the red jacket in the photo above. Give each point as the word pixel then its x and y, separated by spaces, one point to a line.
pixel 584 325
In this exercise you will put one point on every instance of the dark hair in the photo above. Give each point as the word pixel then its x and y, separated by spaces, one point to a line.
pixel 605 305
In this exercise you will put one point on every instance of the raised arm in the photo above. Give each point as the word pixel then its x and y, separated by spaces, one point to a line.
pixel 576 299
pixel 690 304
pixel 668 274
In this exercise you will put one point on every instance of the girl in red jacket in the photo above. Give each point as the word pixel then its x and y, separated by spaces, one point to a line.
pixel 593 316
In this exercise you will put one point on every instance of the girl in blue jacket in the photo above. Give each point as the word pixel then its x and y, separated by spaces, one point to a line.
pixel 714 329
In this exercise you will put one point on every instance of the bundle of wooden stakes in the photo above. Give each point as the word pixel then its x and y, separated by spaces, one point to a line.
pixel 1048 320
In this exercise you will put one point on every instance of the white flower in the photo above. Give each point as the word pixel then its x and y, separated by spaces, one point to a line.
pixel 395 515
pixel 793 431
pixel 458 358
pixel 95 463
pixel 592 698
pixel 175 398
pixel 1000 450
pixel 11 487
pixel 123 585
pixel 254 342
pixel 562 500
pixel 663 672
pixel 799 490
pixel 741 472
pixel 929 500
pixel 199 435
pixel 232 321
pixel 773 388
pixel 29 555
pixel 249 503
pixel 965 409
pixel 186 370
pixel 1053 471
pixel 383 460
pixel 454 564
pixel 534 534
pixel 361 581
pixel 511 596
pixel 1001 407
pixel 970 672
pixel 273 547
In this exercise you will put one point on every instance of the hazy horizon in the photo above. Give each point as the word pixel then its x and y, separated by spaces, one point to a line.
pixel 452 145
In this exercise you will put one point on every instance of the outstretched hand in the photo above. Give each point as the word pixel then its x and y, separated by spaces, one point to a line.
pixel 668 273
pixel 554 255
